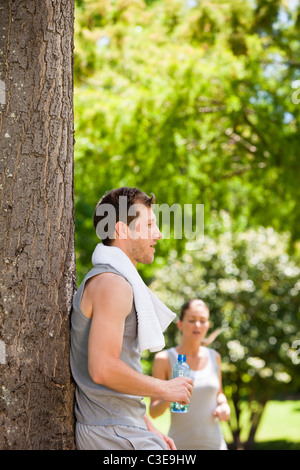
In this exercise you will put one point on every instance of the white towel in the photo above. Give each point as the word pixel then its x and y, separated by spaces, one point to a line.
pixel 152 314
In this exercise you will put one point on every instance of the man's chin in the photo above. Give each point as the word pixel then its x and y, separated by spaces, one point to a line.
pixel 146 259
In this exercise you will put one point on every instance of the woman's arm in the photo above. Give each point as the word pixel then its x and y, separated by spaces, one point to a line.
pixel 222 411
pixel 161 370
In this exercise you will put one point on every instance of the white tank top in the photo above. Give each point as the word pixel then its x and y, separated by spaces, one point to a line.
pixel 199 429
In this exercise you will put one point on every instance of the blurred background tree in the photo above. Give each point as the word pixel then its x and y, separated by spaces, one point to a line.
pixel 192 100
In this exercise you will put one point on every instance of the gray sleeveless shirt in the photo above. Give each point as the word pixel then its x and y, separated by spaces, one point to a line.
pixel 96 404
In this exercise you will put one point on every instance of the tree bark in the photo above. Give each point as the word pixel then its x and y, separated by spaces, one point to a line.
pixel 37 260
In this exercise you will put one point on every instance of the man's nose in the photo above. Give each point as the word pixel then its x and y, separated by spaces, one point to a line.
pixel 157 233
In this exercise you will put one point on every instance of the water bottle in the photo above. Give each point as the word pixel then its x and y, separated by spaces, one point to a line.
pixel 180 369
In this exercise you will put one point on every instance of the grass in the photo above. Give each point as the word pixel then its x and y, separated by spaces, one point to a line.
pixel 279 428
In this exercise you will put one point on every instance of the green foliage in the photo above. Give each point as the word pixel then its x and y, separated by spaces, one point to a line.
pixel 191 101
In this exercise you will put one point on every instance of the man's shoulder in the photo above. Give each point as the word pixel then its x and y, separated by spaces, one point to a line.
pixel 109 292
pixel 109 282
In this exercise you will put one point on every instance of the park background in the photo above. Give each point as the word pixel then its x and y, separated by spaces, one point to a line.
pixel 198 101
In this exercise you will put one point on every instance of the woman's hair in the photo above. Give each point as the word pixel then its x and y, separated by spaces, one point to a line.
pixel 188 304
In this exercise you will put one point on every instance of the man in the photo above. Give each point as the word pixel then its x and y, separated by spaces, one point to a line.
pixel 105 354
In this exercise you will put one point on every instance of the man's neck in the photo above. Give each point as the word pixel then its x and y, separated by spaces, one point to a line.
pixel 121 245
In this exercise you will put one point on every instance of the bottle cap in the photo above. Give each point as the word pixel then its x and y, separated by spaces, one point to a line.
pixel 181 358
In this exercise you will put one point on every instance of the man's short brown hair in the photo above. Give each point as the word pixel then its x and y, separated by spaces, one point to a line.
pixel 112 198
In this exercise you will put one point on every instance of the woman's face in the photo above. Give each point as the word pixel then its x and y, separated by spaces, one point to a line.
pixel 195 322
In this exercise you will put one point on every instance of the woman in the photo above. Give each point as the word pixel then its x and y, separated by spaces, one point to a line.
pixel 200 427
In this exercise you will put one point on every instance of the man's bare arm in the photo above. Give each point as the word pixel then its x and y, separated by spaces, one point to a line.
pixel 112 298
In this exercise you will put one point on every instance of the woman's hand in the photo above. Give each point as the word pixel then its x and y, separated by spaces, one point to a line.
pixel 222 412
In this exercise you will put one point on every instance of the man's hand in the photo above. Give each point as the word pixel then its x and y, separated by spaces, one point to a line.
pixel 178 390
pixel 170 443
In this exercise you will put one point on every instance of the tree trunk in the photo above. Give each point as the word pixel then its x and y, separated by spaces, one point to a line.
pixel 255 420
pixel 37 261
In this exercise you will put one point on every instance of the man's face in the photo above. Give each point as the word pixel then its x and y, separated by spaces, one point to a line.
pixel 143 235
